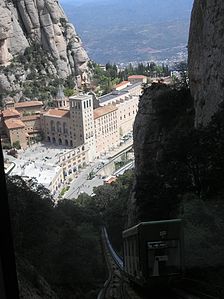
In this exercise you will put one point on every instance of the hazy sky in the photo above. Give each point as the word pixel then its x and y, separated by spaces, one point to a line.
pixel 82 1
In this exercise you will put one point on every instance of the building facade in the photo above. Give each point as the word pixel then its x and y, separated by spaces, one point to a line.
pixel 106 128
pixel 21 122
pixel 73 126
pixel 126 100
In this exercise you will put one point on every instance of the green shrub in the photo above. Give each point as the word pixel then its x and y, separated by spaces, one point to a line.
pixel 16 145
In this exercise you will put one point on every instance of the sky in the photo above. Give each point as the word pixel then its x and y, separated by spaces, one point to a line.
pixel 83 1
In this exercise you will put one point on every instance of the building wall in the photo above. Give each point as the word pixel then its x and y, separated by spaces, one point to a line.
pixel 57 130
pixel 18 134
pixel 32 125
pixel 82 123
pixel 134 80
pixel 106 132
pixel 73 160
pixel 57 182
pixel 127 111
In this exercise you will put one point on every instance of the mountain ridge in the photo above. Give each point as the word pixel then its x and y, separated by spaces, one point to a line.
pixel 96 22
pixel 37 30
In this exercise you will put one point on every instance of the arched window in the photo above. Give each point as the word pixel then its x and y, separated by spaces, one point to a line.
pixel 58 127
pixel 66 142
pixel 48 138
pixel 59 141
pixel 65 128
pixel 52 126
pixel 71 143
pixel 54 140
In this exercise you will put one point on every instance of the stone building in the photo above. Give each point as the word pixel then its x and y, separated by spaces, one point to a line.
pixel 106 128
pixel 29 107
pixel 21 123
pixel 137 79
pixel 126 100
pixel 16 132
pixel 73 126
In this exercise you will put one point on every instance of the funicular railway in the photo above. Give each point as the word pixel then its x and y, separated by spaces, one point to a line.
pixel 152 266
pixel 132 270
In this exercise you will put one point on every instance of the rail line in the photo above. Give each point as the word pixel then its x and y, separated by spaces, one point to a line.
pixel 118 286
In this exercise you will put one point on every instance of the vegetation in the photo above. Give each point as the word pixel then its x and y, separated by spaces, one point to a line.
pixel 106 79
pixel 63 191
pixel 41 82
pixel 111 203
pixel 61 242
pixel 16 145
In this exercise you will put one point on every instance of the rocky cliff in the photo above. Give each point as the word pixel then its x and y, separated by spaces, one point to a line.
pixel 164 118
pixel 28 24
pixel 146 135
pixel 206 58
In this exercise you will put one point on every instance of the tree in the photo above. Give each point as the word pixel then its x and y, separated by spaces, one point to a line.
pixel 16 144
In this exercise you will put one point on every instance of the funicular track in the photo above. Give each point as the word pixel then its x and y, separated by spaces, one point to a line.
pixel 116 285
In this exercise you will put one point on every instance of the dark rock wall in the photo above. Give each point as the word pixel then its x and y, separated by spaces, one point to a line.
pixel 206 58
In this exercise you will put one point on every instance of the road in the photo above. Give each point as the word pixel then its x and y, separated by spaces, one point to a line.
pixel 82 185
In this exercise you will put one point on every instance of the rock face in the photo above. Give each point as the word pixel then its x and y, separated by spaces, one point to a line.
pixel 206 58
pixel 147 136
pixel 42 22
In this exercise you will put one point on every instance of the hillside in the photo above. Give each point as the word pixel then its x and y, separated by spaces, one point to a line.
pixel 39 50
pixel 123 31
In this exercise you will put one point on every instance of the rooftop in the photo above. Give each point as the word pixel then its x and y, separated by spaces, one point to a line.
pixel 28 104
pixel 40 161
pixel 30 117
pixel 98 112
pixel 136 77
pixel 123 83
pixel 112 95
pixel 132 86
pixel 57 112
pixel 80 97
pixel 10 112
pixel 116 93
pixel 13 123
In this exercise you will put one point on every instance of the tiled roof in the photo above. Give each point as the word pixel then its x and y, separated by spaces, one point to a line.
pixel 10 112
pixel 57 113
pixel 98 112
pixel 30 117
pixel 123 83
pixel 136 77
pixel 13 123
pixel 28 104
